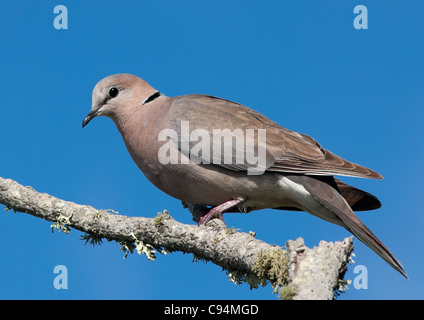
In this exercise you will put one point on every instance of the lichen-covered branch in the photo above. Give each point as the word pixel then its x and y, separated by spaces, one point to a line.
pixel 296 272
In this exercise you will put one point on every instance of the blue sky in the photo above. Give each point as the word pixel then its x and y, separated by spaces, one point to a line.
pixel 358 92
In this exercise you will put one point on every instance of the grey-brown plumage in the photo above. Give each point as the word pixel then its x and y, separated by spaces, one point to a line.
pixel 296 175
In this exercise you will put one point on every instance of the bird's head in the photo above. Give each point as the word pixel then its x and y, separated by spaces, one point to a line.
pixel 113 94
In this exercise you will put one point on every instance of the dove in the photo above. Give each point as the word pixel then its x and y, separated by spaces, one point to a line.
pixel 222 156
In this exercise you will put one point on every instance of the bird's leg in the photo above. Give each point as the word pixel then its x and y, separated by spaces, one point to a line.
pixel 196 210
pixel 217 211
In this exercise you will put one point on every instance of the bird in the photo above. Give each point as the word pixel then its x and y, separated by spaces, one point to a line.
pixel 258 164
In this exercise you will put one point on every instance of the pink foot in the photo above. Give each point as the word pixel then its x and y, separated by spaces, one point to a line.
pixel 217 211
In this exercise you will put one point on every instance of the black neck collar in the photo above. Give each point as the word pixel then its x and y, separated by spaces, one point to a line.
pixel 157 94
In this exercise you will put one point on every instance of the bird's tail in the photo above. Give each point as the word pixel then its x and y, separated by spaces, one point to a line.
pixel 371 241
pixel 336 209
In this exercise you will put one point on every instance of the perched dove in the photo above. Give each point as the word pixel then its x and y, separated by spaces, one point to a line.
pixel 269 167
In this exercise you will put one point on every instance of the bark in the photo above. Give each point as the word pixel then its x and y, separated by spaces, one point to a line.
pixel 296 272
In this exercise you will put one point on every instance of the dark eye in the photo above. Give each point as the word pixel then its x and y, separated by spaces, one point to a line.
pixel 113 92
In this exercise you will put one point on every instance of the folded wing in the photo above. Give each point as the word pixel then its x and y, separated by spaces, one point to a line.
pixel 286 151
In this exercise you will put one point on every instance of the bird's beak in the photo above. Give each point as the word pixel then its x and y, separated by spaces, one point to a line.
pixel 92 114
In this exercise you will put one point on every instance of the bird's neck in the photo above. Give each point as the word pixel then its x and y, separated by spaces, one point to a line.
pixel 140 126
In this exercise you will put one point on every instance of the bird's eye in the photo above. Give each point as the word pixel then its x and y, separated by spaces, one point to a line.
pixel 113 92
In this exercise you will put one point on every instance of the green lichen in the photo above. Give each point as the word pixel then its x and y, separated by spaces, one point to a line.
pixel 127 247
pixel 271 265
pixel 287 292
pixel 97 215
pixel 111 211
pixel 158 219
pixel 231 231
pixel 144 248
pixel 342 286
pixel 62 224
pixel 238 277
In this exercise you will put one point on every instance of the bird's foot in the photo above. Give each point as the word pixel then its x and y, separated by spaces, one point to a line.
pixel 216 212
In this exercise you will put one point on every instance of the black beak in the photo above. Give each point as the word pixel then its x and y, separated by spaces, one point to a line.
pixel 92 114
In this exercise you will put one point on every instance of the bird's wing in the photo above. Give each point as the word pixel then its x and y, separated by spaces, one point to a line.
pixel 285 150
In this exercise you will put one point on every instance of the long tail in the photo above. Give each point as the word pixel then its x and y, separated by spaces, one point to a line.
pixel 337 210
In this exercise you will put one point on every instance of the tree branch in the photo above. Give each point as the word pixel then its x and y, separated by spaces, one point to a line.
pixel 297 272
